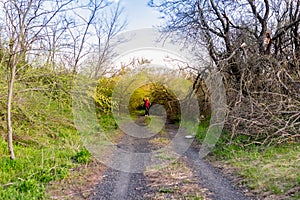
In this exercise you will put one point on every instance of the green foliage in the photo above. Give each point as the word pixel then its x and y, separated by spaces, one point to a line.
pixel 136 100
pixel 83 157
pixel 33 191
pixel 45 139
pixel 103 94
pixel 166 190
pixel 107 122
pixel 164 96
pixel 202 129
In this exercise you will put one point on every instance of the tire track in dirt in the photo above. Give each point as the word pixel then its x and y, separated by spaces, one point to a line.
pixel 124 185
pixel 220 187
pixel 199 179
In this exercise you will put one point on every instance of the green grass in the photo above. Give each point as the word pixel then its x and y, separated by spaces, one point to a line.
pixel 165 190
pixel 27 176
pixel 273 169
pixel 135 113
pixel 202 128
pixel 165 156
pixel 47 146
pixel 46 143
pixel 147 120
pixel 107 122
pixel 83 157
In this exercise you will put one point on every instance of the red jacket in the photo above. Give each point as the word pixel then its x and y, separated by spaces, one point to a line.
pixel 147 103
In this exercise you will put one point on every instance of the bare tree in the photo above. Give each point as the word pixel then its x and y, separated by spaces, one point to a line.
pixel 255 45
pixel 108 26
pixel 220 26
pixel 90 32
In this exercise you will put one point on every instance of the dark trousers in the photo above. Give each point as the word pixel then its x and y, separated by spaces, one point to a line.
pixel 146 110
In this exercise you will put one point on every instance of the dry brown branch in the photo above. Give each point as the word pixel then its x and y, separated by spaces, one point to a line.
pixel 264 106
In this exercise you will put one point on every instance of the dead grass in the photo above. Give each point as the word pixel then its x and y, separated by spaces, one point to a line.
pixel 174 182
pixel 160 142
pixel 79 185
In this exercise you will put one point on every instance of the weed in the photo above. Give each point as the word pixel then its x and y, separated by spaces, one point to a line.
pixel 83 156
pixel 165 190
pixel 160 141
pixel 164 156
pixel 147 120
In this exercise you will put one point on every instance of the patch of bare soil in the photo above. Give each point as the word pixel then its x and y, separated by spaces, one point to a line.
pixel 80 185
pixel 176 181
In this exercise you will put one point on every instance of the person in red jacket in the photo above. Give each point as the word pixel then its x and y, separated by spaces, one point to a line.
pixel 146 106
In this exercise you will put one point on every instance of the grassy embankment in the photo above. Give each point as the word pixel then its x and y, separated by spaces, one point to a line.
pixel 47 147
pixel 42 158
pixel 266 170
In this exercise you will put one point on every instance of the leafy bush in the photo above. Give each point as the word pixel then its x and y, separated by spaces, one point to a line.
pixel 103 94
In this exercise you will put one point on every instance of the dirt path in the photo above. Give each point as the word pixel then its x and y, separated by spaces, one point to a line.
pixel 123 185
pixel 188 177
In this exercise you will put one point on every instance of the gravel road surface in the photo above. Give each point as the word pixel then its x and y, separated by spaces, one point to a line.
pixel 118 185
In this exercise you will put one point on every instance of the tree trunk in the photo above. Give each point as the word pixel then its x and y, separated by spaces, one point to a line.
pixel 9 107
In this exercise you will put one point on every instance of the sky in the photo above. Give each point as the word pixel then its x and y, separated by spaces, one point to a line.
pixel 138 14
